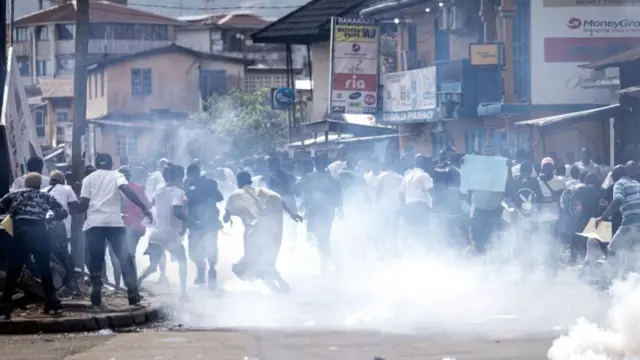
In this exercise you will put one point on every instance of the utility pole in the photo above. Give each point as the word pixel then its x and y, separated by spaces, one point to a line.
pixel 5 177
pixel 79 120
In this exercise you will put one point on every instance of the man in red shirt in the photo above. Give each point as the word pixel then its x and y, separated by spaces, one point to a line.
pixel 133 216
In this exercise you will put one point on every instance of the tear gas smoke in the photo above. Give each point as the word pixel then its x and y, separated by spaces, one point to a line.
pixel 617 339
pixel 414 293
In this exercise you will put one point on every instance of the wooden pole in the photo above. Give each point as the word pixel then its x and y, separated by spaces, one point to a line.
pixel 79 120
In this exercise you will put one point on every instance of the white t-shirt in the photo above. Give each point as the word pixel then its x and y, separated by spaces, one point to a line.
pixel 18 184
pixel 166 197
pixel 336 168
pixel 549 207
pixel 154 181
pixel 416 186
pixel 102 188
pixel 371 178
pixel 515 171
pixel 64 194
pixel 590 168
pixel 388 185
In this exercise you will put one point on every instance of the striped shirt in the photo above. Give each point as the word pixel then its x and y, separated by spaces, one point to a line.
pixel 628 190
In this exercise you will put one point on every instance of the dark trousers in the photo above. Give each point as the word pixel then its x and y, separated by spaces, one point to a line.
pixel 415 217
pixel 30 238
pixel 319 225
pixel 97 239
pixel 203 248
pixel 483 224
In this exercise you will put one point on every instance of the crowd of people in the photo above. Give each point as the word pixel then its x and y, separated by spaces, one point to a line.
pixel 414 201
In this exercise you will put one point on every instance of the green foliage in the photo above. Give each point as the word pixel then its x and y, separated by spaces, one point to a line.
pixel 247 121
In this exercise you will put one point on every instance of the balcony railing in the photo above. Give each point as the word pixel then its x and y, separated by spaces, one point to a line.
pixel 99 46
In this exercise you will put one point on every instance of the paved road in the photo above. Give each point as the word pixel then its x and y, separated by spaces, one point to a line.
pixel 272 345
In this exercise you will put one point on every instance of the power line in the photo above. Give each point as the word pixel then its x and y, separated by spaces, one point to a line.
pixel 214 8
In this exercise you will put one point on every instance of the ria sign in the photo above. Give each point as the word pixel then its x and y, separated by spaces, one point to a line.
pixel 355 82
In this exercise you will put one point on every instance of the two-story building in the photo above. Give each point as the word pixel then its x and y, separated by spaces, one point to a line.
pixel 44 44
pixel 230 34
pixel 484 58
pixel 136 103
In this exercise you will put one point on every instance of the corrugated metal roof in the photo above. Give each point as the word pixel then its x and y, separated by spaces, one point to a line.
pixel 99 11
pixel 614 60
pixel 307 23
pixel 556 119
pixel 56 87
pixel 167 49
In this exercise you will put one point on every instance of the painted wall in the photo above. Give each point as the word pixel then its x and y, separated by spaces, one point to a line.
pixel 320 58
pixel 565 34
pixel 175 84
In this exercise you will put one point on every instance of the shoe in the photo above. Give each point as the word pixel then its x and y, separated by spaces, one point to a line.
pixel 134 300
pixel 96 296
pixel 199 280
pixel 163 280
pixel 65 293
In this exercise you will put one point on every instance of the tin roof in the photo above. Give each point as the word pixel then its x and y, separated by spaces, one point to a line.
pixel 307 24
pixel 99 12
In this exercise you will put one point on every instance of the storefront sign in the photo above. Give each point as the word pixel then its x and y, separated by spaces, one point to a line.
pixel 355 45
pixel 410 96
pixel 485 54
pixel 20 130
pixel 568 33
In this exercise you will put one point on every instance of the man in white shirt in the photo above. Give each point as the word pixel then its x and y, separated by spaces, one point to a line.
pixel 34 164
pixel 586 164
pixel 388 205
pixel 155 179
pixel 101 199
pixel 338 166
pixel 415 194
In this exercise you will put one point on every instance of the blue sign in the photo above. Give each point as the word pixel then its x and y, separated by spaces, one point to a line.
pixel 282 98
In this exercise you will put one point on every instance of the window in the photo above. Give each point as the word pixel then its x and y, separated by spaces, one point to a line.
pixel 95 84
pixel 65 62
pixel 440 141
pixel 98 31
pixel 217 46
pixel 23 65
pixel 102 83
pixel 20 34
pixel 66 31
pixel 60 134
pixel 474 141
pixel 89 87
pixel 212 82
pixel 44 68
pixel 122 31
pixel 62 116
pixel 140 82
pixel 125 145
pixel 42 33
pixel 40 123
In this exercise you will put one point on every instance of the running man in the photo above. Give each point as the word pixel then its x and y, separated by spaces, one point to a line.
pixel 261 212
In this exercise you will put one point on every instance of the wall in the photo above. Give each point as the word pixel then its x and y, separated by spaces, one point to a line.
pixel 320 58
pixel 592 134
pixel 97 103
pixel 562 38
pixel 197 39
pixel 174 83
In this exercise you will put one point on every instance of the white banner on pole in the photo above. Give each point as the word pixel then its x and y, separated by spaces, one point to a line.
pixel 20 130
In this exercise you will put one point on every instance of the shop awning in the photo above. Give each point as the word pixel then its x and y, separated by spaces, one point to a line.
pixel 356 124
pixel 633 91
pixel 574 117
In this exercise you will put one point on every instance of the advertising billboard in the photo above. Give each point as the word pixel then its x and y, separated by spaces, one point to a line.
pixel 410 96
pixel 355 45
pixel 568 33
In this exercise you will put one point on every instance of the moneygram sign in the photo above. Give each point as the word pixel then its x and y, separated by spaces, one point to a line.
pixel 355 45
pixel 604 26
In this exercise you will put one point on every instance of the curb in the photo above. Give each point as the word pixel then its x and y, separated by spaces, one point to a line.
pixel 93 322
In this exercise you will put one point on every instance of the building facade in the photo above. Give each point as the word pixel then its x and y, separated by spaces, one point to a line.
pixel 44 41
pixel 136 103
pixel 497 63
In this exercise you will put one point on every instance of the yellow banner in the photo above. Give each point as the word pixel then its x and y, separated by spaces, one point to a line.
pixel 342 33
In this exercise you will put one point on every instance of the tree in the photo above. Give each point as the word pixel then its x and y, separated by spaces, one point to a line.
pixel 247 121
